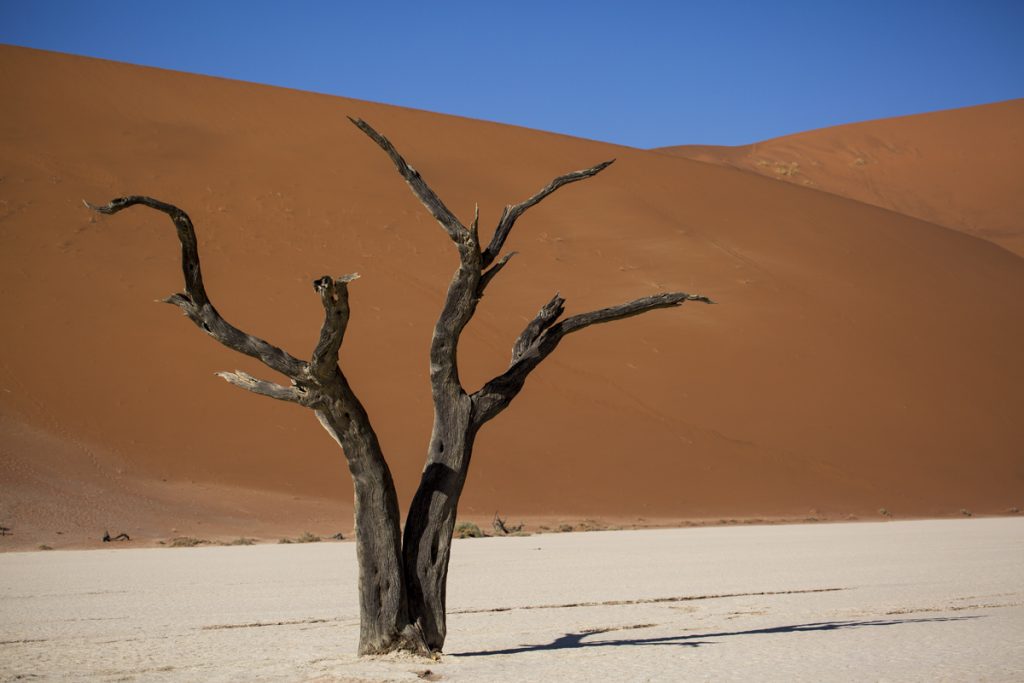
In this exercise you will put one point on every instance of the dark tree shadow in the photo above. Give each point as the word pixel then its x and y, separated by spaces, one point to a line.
pixel 576 640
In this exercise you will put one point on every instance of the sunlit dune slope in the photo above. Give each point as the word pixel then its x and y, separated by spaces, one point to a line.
pixel 960 168
pixel 857 358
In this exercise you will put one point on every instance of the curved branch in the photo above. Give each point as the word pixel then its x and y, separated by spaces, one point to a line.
pixel 627 310
pixel 196 304
pixel 511 213
pixel 186 234
pixel 456 230
pixel 542 336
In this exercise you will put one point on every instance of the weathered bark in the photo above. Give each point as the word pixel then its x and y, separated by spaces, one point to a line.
pixel 402 578
pixel 430 523
pixel 384 624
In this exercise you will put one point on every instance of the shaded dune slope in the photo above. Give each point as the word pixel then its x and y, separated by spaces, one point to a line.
pixel 960 168
pixel 858 358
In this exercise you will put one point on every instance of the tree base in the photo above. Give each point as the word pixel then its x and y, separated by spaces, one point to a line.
pixel 408 642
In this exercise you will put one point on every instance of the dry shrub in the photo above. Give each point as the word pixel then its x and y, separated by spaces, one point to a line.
pixel 187 542
pixel 468 530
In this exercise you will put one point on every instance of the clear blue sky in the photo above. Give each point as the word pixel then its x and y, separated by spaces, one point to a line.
pixel 633 72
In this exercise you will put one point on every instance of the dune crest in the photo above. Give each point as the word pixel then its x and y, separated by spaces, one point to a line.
pixel 959 168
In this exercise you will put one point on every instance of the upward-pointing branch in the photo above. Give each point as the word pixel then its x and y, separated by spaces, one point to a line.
pixel 456 230
pixel 544 319
pixel 512 212
pixel 488 275
pixel 465 288
pixel 334 295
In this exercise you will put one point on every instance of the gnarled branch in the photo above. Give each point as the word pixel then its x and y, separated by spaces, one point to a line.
pixel 542 336
pixel 196 304
pixel 196 291
pixel 544 319
pixel 471 279
pixel 334 295
pixel 636 307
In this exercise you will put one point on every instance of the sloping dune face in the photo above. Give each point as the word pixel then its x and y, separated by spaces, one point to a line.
pixel 856 359
pixel 960 168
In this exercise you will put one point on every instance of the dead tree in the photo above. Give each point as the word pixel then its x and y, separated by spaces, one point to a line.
pixel 502 528
pixel 402 580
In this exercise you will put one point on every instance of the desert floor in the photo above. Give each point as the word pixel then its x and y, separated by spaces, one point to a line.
pixel 918 600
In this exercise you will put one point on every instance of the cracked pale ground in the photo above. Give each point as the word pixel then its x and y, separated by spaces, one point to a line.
pixel 927 600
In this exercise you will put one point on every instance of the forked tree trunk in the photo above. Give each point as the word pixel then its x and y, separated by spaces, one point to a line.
pixel 402 578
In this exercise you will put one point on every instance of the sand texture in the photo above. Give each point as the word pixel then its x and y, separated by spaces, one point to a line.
pixel 960 168
pixel 906 601
pixel 858 358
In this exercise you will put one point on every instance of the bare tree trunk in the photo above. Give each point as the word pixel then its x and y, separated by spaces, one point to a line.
pixel 384 624
pixel 431 520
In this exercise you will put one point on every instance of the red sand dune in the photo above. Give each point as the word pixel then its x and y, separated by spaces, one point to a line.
pixel 960 168
pixel 858 358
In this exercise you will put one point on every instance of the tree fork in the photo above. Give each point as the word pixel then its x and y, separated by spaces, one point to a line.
pixel 402 578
